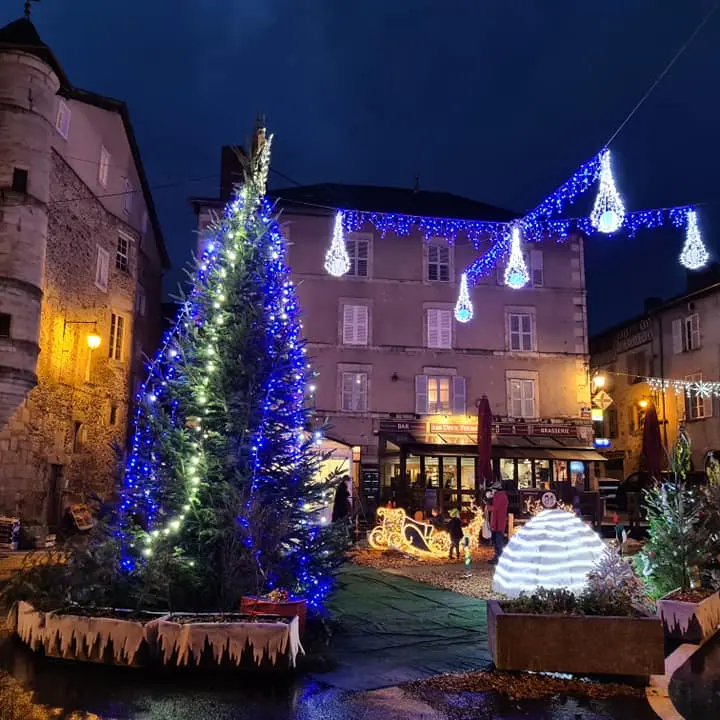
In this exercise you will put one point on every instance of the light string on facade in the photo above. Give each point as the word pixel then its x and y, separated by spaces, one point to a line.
pixel 689 388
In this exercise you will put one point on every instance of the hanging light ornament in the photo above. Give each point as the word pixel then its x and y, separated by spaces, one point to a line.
pixel 608 214
pixel 463 306
pixel 694 254
pixel 337 261
pixel 516 273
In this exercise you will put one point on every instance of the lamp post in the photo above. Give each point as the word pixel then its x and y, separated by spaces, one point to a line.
pixel 93 340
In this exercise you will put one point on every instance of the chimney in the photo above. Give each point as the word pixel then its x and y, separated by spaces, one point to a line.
pixel 699 279
pixel 231 170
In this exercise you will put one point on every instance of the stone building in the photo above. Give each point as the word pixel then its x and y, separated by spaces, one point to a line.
pixel 399 377
pixel 81 263
pixel 677 339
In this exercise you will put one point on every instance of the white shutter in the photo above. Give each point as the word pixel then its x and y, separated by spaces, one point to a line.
pixel 347 391
pixel 510 391
pixel 355 325
pixel 433 328
pixel 677 336
pixel 459 402
pixel 694 331
pixel 361 392
pixel 528 399
pixel 536 263
pixel 421 394
pixel 445 329
pixel 101 269
pixel 348 329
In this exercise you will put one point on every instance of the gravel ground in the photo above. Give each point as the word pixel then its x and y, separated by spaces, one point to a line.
pixel 439 573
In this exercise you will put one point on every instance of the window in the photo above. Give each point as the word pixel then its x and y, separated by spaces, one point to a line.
pixel 104 167
pixel 355 325
pixel 696 406
pixel 637 367
pixel 440 394
pixel 5 322
pixel 354 391
pixel 79 436
pixel 359 252
pixel 686 334
pixel 521 398
pixel 62 120
pixel 611 423
pixel 20 180
pixel 140 301
pixel 102 267
pixel 128 197
pixel 438 262
pixel 122 257
pixel 117 337
pixel 521 332
pixel 439 329
pixel 536 268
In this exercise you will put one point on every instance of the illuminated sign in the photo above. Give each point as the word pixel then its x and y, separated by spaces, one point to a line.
pixel 602 442
pixel 597 414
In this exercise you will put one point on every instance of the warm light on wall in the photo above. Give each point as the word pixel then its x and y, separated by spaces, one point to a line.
pixel 93 341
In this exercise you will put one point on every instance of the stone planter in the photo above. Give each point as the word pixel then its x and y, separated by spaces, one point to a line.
pixel 577 644
pixel 690 622
pixel 288 608
pixel 206 639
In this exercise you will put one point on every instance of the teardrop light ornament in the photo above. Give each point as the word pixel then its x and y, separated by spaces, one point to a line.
pixel 463 306
pixel 337 261
pixel 516 273
pixel 608 213
pixel 694 254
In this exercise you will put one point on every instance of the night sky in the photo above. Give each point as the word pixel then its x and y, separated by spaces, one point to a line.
pixel 496 100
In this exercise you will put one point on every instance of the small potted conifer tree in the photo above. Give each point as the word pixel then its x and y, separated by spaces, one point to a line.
pixel 676 551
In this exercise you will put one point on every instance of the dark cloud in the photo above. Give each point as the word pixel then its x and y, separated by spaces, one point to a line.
pixel 500 101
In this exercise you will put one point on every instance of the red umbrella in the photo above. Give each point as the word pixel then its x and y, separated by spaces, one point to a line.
pixel 484 440
pixel 652 448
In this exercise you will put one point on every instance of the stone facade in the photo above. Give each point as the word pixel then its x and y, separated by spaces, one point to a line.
pixel 81 255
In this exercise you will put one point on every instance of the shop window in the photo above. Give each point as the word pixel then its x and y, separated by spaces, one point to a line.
pixel 524 473
pixel 542 474
pixel 467 474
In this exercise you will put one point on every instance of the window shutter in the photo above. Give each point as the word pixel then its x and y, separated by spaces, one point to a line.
pixel 361 324
pixel 347 391
pixel 528 398
pixel 445 328
pixel 421 394
pixel 101 269
pixel 361 392
pixel 433 328
pixel 694 332
pixel 509 399
pixel 677 336
pixel 458 399
pixel 536 263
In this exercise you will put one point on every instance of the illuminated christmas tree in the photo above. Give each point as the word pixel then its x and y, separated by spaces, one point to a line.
pixel 223 493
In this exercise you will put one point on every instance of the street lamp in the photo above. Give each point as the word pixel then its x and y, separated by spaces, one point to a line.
pixel 93 340
pixel 643 403
pixel 599 381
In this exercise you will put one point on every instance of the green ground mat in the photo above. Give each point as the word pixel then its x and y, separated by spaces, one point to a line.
pixel 395 630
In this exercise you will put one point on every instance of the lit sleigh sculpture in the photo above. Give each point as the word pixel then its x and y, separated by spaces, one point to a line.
pixel 396 531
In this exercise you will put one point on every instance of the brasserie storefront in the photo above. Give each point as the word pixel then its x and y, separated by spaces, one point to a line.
pixel 433 463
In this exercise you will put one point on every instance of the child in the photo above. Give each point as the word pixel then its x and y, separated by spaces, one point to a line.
pixel 456 533
pixel 468 557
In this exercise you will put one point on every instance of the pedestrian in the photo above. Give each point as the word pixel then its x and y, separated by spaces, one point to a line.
pixel 498 508
pixel 456 533
pixel 341 503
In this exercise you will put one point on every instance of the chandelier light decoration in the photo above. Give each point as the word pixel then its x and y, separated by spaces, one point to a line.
pixel 608 214
pixel 463 306
pixel 337 260
pixel 694 254
pixel 516 273
pixel 554 549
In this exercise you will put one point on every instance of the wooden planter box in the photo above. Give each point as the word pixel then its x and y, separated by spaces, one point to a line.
pixel 577 644
pixel 690 622
pixel 202 640
pixel 291 608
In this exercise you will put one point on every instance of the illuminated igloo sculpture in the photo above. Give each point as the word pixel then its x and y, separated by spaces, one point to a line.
pixel 555 549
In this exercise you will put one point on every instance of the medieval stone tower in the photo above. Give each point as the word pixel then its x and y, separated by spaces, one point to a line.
pixel 30 77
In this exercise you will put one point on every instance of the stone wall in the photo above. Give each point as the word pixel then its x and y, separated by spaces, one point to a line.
pixel 63 433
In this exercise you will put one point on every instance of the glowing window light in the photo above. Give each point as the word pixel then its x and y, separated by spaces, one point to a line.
pixel 694 254
pixel 608 213
pixel 516 273
pixel 463 307
pixel 554 549
pixel 337 260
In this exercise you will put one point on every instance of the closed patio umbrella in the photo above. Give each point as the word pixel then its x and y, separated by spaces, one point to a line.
pixel 484 441
pixel 652 447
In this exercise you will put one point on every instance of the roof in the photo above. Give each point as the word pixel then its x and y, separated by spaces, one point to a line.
pixel 118 106
pixel 326 197
pixel 22 35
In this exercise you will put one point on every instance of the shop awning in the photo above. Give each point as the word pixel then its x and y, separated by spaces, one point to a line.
pixel 586 455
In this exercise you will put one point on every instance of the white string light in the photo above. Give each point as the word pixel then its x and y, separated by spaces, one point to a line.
pixel 690 388
pixel 516 273
pixel 694 254
pixel 608 213
pixel 464 307
pixel 337 261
